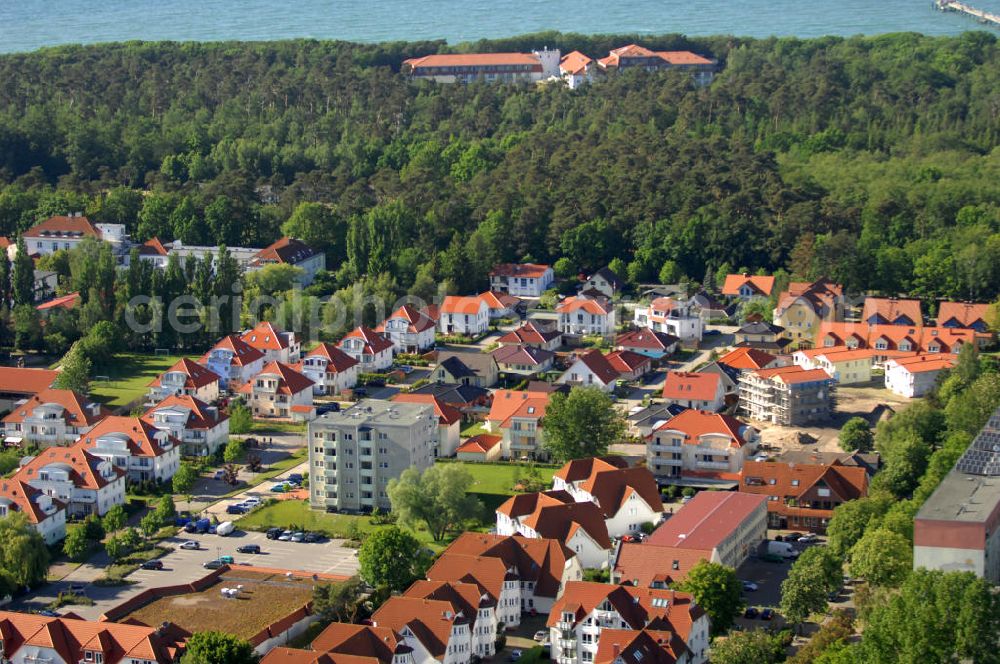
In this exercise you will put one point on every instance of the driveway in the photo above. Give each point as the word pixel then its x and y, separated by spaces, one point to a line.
pixel 261 491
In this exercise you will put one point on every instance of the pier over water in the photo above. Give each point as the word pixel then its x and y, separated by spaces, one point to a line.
pixel 962 8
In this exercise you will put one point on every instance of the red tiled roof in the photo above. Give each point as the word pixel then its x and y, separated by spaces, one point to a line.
pixel 498 301
pixel 761 284
pixel 480 444
pixel 15 380
pixel 283 655
pixel 375 343
pixel 948 339
pixel 447 415
pixel 613 488
pixel 684 58
pixel 153 247
pixel 794 480
pixel 285 250
pixel 964 314
pixel 139 435
pixel 590 305
pixel 522 355
pixel 525 270
pixel 626 361
pixel 682 385
pixel 458 304
pixel 200 416
pixel 82 466
pixel 643 564
pixel 599 366
pixel 523 504
pixel 359 640
pixel 290 381
pixel 197 375
pixel 707 520
pixel 926 362
pixel 338 359
pixel 62 226
pixel 747 358
pixel 474 60
pixel 243 353
pixel 793 374
pixel 508 404
pixel 646 645
pixel 696 423
pixel 647 339
pixel 23 498
pixel 76 411
pixel 416 321
pixel 580 469
pixel 65 302
pixel 575 63
pixel 891 309
pixel 821 295
pixel 560 521
pixel 530 333
pixel 266 337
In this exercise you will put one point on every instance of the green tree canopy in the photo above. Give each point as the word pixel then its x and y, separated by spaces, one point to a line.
pixel 751 647
pixel 218 648
pixel 856 435
pixel 582 424
pixel 716 589
pixel 437 497
pixel 24 558
pixel 391 558
pixel 882 557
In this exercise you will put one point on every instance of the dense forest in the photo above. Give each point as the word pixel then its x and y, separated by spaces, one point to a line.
pixel 873 161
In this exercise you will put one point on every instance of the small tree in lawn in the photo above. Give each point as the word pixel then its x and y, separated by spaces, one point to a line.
pixel 390 558
pixel 183 480
pixel 166 511
pixel 115 548
pixel 717 590
pixel 240 418
pixel 150 524
pixel 74 371
pixel 882 558
pixel 582 424
pixel 231 474
pixel 815 574
pixel 114 519
pixel 856 435
pixel 254 463
pixel 233 450
pixel 76 543
pixel 437 497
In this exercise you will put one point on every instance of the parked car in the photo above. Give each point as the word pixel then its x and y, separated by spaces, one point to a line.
pixel 811 538
pixel 212 564
pixel 285 536
pixel 189 545
pixel 278 488
pixel 297 537
pixel 248 548
pixel 311 538
pixel 295 478
pixel 226 560
pixel 328 408
pixel 749 586
pixel 793 537
pixel 515 654
pixel 252 502
pixel 751 613
pixel 48 614
pixel 78 588
pixel 540 635
pixel 152 564
pixel 273 533
pixel 219 475
pixel 182 521
pixel 406 368
pixel 711 333
pixel 239 508
pixel 767 614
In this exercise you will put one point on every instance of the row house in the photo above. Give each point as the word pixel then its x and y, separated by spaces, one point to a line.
pixel 277 345
pixel 521 279
pixel 289 251
pixel 372 350
pixel 591 369
pixel 896 338
pixel 144 452
pixel 789 396
pixel 627 497
pixel 409 330
pixel 534 335
pixel 964 315
pixel 31 638
pixel 185 377
pixel 652 344
pixel 523 360
pixel 466 315
pixel 52 417
pixel 200 428
pixel 345 642
pixel 517 417
pixel 432 628
pixel 331 370
pixel 644 565
pixel 84 483
pixel 234 361
pixel 586 316
pixel 449 421
pixel 46 514
pixel 846 366
pixel 468 601
pixel 804 305
pixel 802 496
pixel 698 444
pixel 521 575
pixel 555 515
pixel 892 311
pixel 704 391
pixel 678 318
pixel 279 391
pixel 655 646
pixel 747 287
pixel 917 375
pixel 586 610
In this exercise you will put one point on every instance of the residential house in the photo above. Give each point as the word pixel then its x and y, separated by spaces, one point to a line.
pixel 577 69
pixel 466 600
pixel 748 287
pixel 523 360
pixel 657 345
pixel 915 376
pixel 483 447
pixel 790 396
pixel 965 315
pixel 870 461
pixel 750 359
pixel 897 338
pixel 467 67
pixel 729 376
pixel 354 453
pixel 679 318
pixel 847 366
pixel 517 417
pixel 590 369
pixel 584 316
pixel 372 350
pixel 18 384
pixel 956 528
pixel 627 497
pixel 289 251
pixel 555 515
pixel 331 370
pixel 449 421
pixel 617 646
pixel 697 445
pixel 144 452
pixel 629 365
pixel 762 336
pixel 892 311
pixel 533 334
pixel 709 309
pixel 500 305
pixel 409 330
pixel 703 391
pixel 432 628
pixel 464 315
pixel 802 496
pixel 64 303
pixel 185 377
pixel 643 421
pixel 31 638
pixel 522 279
pixel 586 609
pixel 519 574
pixel 279 391
pixel 47 515
pixel 466 367
pixel 343 643
pixel 64 232
pixel 633 56
pixel 52 417
pixel 731 525
pixel 84 483
pixel 200 428
pixel 233 360
pixel 276 345
pixel 805 305
pixel 472 401
pixel 603 283
pixel 642 565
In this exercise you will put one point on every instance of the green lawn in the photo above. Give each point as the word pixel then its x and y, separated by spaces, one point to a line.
pixel 264 427
pixel 499 478
pixel 130 376
pixel 473 429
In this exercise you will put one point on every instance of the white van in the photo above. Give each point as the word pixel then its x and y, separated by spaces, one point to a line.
pixel 224 528
pixel 783 549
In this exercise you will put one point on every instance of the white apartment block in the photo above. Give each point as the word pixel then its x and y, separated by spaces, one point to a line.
pixel 675 317
pixel 85 483
pixel 200 428
pixel 135 446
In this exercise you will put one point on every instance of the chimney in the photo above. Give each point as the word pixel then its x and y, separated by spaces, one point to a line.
pixel 617 649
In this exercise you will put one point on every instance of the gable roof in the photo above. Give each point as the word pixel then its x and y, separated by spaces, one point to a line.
pixel 924 362
pixel 139 435
pixel 598 365
pixel 964 314
pixel 890 309
pixel 469 305
pixel 447 415
pixel 290 381
pixel 76 460
pixel 17 380
pixel 646 645
pixel 646 339
pixel 575 63
pixel 380 643
pixel 266 336
pixel 684 58
pixel 683 385
pixel 920 338
pixel 522 504
pixel 473 60
pixel 530 333
pixel 197 375
pixel 792 375
pixel 153 247
pixel 561 521
pixel 199 414
pixel 822 295
pixel 792 480
pixel 284 250
pixel 456 394
pixel 466 363
pixel 706 520
pixel 612 488
pixel 429 620
pixel 416 320
pixel 626 361
pixel 24 498
pixel 65 302
pixel 508 404
pixel 522 355
pixel 77 411
pixel 520 270
pixel 243 353
pixel 747 358
pixel 590 305
pixel 695 423
pixel 375 343
pixel 609 276
pixel 284 655
pixel 338 359
pixel 499 301
pixel 762 285
pixel 480 444
pixel 61 226
pixel 644 564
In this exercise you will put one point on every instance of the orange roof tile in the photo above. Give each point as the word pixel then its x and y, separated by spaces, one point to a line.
pixel 380 643
pixel 416 320
pixel 284 250
pixel 575 63
pixel 508 404
pixel 81 465
pixel 338 359
pixel 265 336
pixel 77 411
pixel 499 301
pixel 447 415
pixel 592 306
pixel 646 645
pixel 697 423
pixel 684 58
pixel 200 417
pixel 480 444
pixel 474 60
pixel 793 480
pixel 646 339
pixel 525 270
pixel 457 304
pixel 530 333
pixel 890 310
pixel 375 343
pixel 62 226
pixel 24 498
pixel 793 375
pixel 626 361
pixel 747 358
pixel 197 375
pixel 290 381
pixel 707 520
pixel 963 314
pixel 16 380
pixel 926 362
pixel 139 435
pixel 243 353
pixel 682 385
pixel 761 284
pixel 65 302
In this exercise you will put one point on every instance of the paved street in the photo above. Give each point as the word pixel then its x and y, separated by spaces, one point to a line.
pixel 262 491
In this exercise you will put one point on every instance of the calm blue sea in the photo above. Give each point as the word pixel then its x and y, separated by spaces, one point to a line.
pixel 30 24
